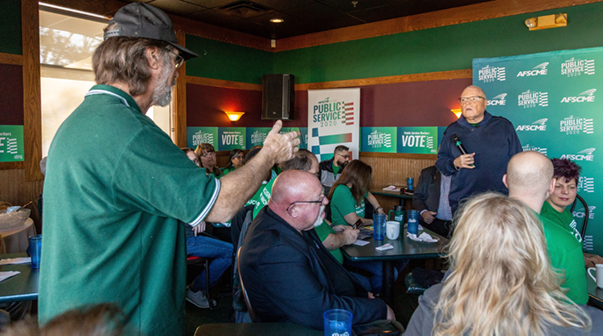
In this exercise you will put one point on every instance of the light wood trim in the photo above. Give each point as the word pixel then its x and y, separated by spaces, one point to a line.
pixel 399 156
pixel 179 112
pixel 32 108
pixel 477 12
pixel 11 59
pixel 223 83
pixel 11 165
pixel 420 77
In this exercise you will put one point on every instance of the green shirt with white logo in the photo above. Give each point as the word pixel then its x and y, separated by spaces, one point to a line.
pixel 117 192
pixel 566 256
pixel 564 219
pixel 343 203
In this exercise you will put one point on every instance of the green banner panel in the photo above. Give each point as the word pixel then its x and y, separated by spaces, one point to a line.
pixel 199 135
pixel 231 138
pixel 378 139
pixel 418 140
pixel 551 99
pixel 11 143
pixel 256 135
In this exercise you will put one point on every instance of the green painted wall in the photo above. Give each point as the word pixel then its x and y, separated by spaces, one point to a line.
pixel 10 27
pixel 441 49
pixel 221 60
pixel 429 50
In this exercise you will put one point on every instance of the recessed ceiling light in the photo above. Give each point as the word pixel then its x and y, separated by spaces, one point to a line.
pixel 275 20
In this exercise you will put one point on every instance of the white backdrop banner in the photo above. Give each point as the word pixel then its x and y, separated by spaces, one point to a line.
pixel 333 119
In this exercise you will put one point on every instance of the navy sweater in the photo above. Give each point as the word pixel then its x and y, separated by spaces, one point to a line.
pixel 493 141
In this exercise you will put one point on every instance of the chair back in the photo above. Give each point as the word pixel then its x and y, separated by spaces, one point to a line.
pixel 586 214
pixel 243 290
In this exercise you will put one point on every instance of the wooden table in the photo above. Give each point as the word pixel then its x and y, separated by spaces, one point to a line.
pixel 595 294
pixel 261 329
pixel 405 200
pixel 404 248
pixel 22 287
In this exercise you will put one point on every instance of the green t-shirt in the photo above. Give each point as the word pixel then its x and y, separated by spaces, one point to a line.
pixel 323 231
pixel 563 219
pixel 228 170
pixel 343 203
pixel 117 192
pixel 567 257
pixel 336 169
pixel 262 197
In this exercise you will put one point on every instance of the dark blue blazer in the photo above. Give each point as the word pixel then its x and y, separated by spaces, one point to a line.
pixel 286 280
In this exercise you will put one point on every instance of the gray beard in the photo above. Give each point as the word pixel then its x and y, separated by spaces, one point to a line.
pixel 163 93
pixel 319 218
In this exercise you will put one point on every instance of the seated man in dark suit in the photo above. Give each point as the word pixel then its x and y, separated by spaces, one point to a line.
pixel 431 200
pixel 287 272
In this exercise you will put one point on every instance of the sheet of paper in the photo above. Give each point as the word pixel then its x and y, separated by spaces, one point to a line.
pixel 7 274
pixel 384 247
pixel 15 261
pixel 361 242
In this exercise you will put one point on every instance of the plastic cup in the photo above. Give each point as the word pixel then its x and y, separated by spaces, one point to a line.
pixel 410 183
pixel 379 225
pixel 413 221
pixel 337 322
pixel 34 250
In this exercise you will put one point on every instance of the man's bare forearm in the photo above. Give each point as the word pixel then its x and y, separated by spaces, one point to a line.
pixel 239 186
pixel 334 241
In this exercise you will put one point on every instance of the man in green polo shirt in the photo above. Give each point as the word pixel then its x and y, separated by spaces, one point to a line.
pixel 530 179
pixel 118 191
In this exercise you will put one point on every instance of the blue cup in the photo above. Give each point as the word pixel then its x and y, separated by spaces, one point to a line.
pixel 337 322
pixel 413 221
pixel 34 250
pixel 379 225
pixel 409 183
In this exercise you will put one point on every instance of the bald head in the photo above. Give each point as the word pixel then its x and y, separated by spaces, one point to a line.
pixel 297 186
pixel 529 178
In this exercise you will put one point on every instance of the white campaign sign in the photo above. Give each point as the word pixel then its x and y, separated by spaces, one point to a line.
pixel 333 119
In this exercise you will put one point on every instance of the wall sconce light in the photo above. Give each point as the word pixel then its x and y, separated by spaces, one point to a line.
pixel 547 21
pixel 457 112
pixel 234 116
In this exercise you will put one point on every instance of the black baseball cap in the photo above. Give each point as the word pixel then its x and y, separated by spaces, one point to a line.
pixel 139 19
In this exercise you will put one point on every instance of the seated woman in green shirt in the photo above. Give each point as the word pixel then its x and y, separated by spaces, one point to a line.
pixel 348 193
pixel 236 160
pixel 347 206
pixel 556 206
pixel 207 155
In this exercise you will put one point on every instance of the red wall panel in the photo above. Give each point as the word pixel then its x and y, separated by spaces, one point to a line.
pixel 11 94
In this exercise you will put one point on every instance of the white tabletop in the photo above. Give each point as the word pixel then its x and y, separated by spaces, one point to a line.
pixel 15 240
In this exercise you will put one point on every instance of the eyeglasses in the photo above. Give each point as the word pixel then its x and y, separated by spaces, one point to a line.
pixel 208 153
pixel 178 60
pixel 240 157
pixel 196 161
pixel 472 99
pixel 322 198
pixel 345 156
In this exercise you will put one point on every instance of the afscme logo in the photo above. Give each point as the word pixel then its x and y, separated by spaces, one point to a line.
pixel 587 96
pixel 583 155
pixel 538 125
pixel 540 69
pixel 498 100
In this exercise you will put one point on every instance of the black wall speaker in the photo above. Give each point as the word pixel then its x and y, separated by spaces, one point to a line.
pixel 278 96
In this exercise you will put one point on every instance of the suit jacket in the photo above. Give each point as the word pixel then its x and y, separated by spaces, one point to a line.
pixel 427 193
pixel 287 280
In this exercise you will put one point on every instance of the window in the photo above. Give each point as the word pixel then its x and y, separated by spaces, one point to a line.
pixel 67 42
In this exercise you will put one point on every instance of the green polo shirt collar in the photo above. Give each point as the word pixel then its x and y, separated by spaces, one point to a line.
pixel 125 98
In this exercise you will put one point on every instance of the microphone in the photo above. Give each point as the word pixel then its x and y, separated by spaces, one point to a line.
pixel 457 142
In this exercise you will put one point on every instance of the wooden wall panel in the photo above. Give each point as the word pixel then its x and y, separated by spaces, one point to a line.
pixel 179 104
pixel 32 106
pixel 394 170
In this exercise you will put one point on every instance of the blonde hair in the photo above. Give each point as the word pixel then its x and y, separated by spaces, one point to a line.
pixel 502 282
